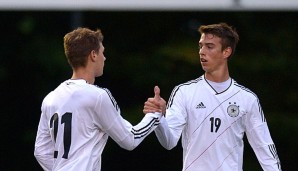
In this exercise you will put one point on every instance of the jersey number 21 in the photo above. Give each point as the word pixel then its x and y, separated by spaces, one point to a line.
pixel 66 120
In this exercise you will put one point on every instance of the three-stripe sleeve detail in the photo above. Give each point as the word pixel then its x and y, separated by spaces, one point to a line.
pixel 259 105
pixel 112 99
pixel 143 131
pixel 175 90
pixel 274 154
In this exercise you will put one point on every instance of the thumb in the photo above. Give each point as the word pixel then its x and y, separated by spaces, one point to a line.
pixel 157 93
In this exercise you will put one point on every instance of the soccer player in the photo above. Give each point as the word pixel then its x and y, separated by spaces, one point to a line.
pixel 213 112
pixel 78 117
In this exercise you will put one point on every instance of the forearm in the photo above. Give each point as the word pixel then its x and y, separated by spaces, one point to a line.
pixel 45 161
pixel 132 136
pixel 167 137
pixel 264 148
pixel 268 158
pixel 44 147
pixel 44 153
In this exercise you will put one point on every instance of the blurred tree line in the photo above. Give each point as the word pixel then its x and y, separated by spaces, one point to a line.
pixel 144 49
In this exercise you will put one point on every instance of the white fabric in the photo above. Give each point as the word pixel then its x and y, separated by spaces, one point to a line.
pixel 220 87
pixel 212 126
pixel 85 116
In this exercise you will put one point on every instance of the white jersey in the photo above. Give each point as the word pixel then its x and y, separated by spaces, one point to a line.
pixel 213 125
pixel 75 123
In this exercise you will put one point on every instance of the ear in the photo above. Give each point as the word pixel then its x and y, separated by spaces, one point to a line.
pixel 227 52
pixel 93 55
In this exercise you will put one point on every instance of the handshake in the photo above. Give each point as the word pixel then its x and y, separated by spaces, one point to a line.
pixel 155 104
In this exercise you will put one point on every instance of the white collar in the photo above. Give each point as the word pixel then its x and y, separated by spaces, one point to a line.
pixel 77 81
pixel 220 87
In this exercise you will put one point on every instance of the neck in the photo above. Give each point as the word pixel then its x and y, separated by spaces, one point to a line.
pixel 83 74
pixel 218 76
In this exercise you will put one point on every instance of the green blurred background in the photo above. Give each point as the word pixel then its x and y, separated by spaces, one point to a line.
pixel 144 49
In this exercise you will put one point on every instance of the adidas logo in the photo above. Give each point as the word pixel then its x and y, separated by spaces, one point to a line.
pixel 200 106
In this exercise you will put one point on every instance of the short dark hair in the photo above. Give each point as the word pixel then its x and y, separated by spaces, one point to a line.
pixel 227 33
pixel 79 43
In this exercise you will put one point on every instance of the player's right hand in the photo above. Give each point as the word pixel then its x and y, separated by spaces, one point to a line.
pixel 155 104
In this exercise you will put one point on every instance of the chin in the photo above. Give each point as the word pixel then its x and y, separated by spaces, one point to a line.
pixel 205 68
pixel 100 74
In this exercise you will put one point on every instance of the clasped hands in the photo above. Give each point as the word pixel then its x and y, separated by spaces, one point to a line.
pixel 155 104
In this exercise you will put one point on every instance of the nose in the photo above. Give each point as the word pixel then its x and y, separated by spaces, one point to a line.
pixel 201 51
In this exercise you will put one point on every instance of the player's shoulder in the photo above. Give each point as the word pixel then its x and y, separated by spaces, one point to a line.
pixel 53 94
pixel 246 92
pixel 75 88
pixel 48 98
pixel 189 84
pixel 97 91
pixel 105 92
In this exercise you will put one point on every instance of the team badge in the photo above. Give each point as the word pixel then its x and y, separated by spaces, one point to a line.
pixel 233 109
